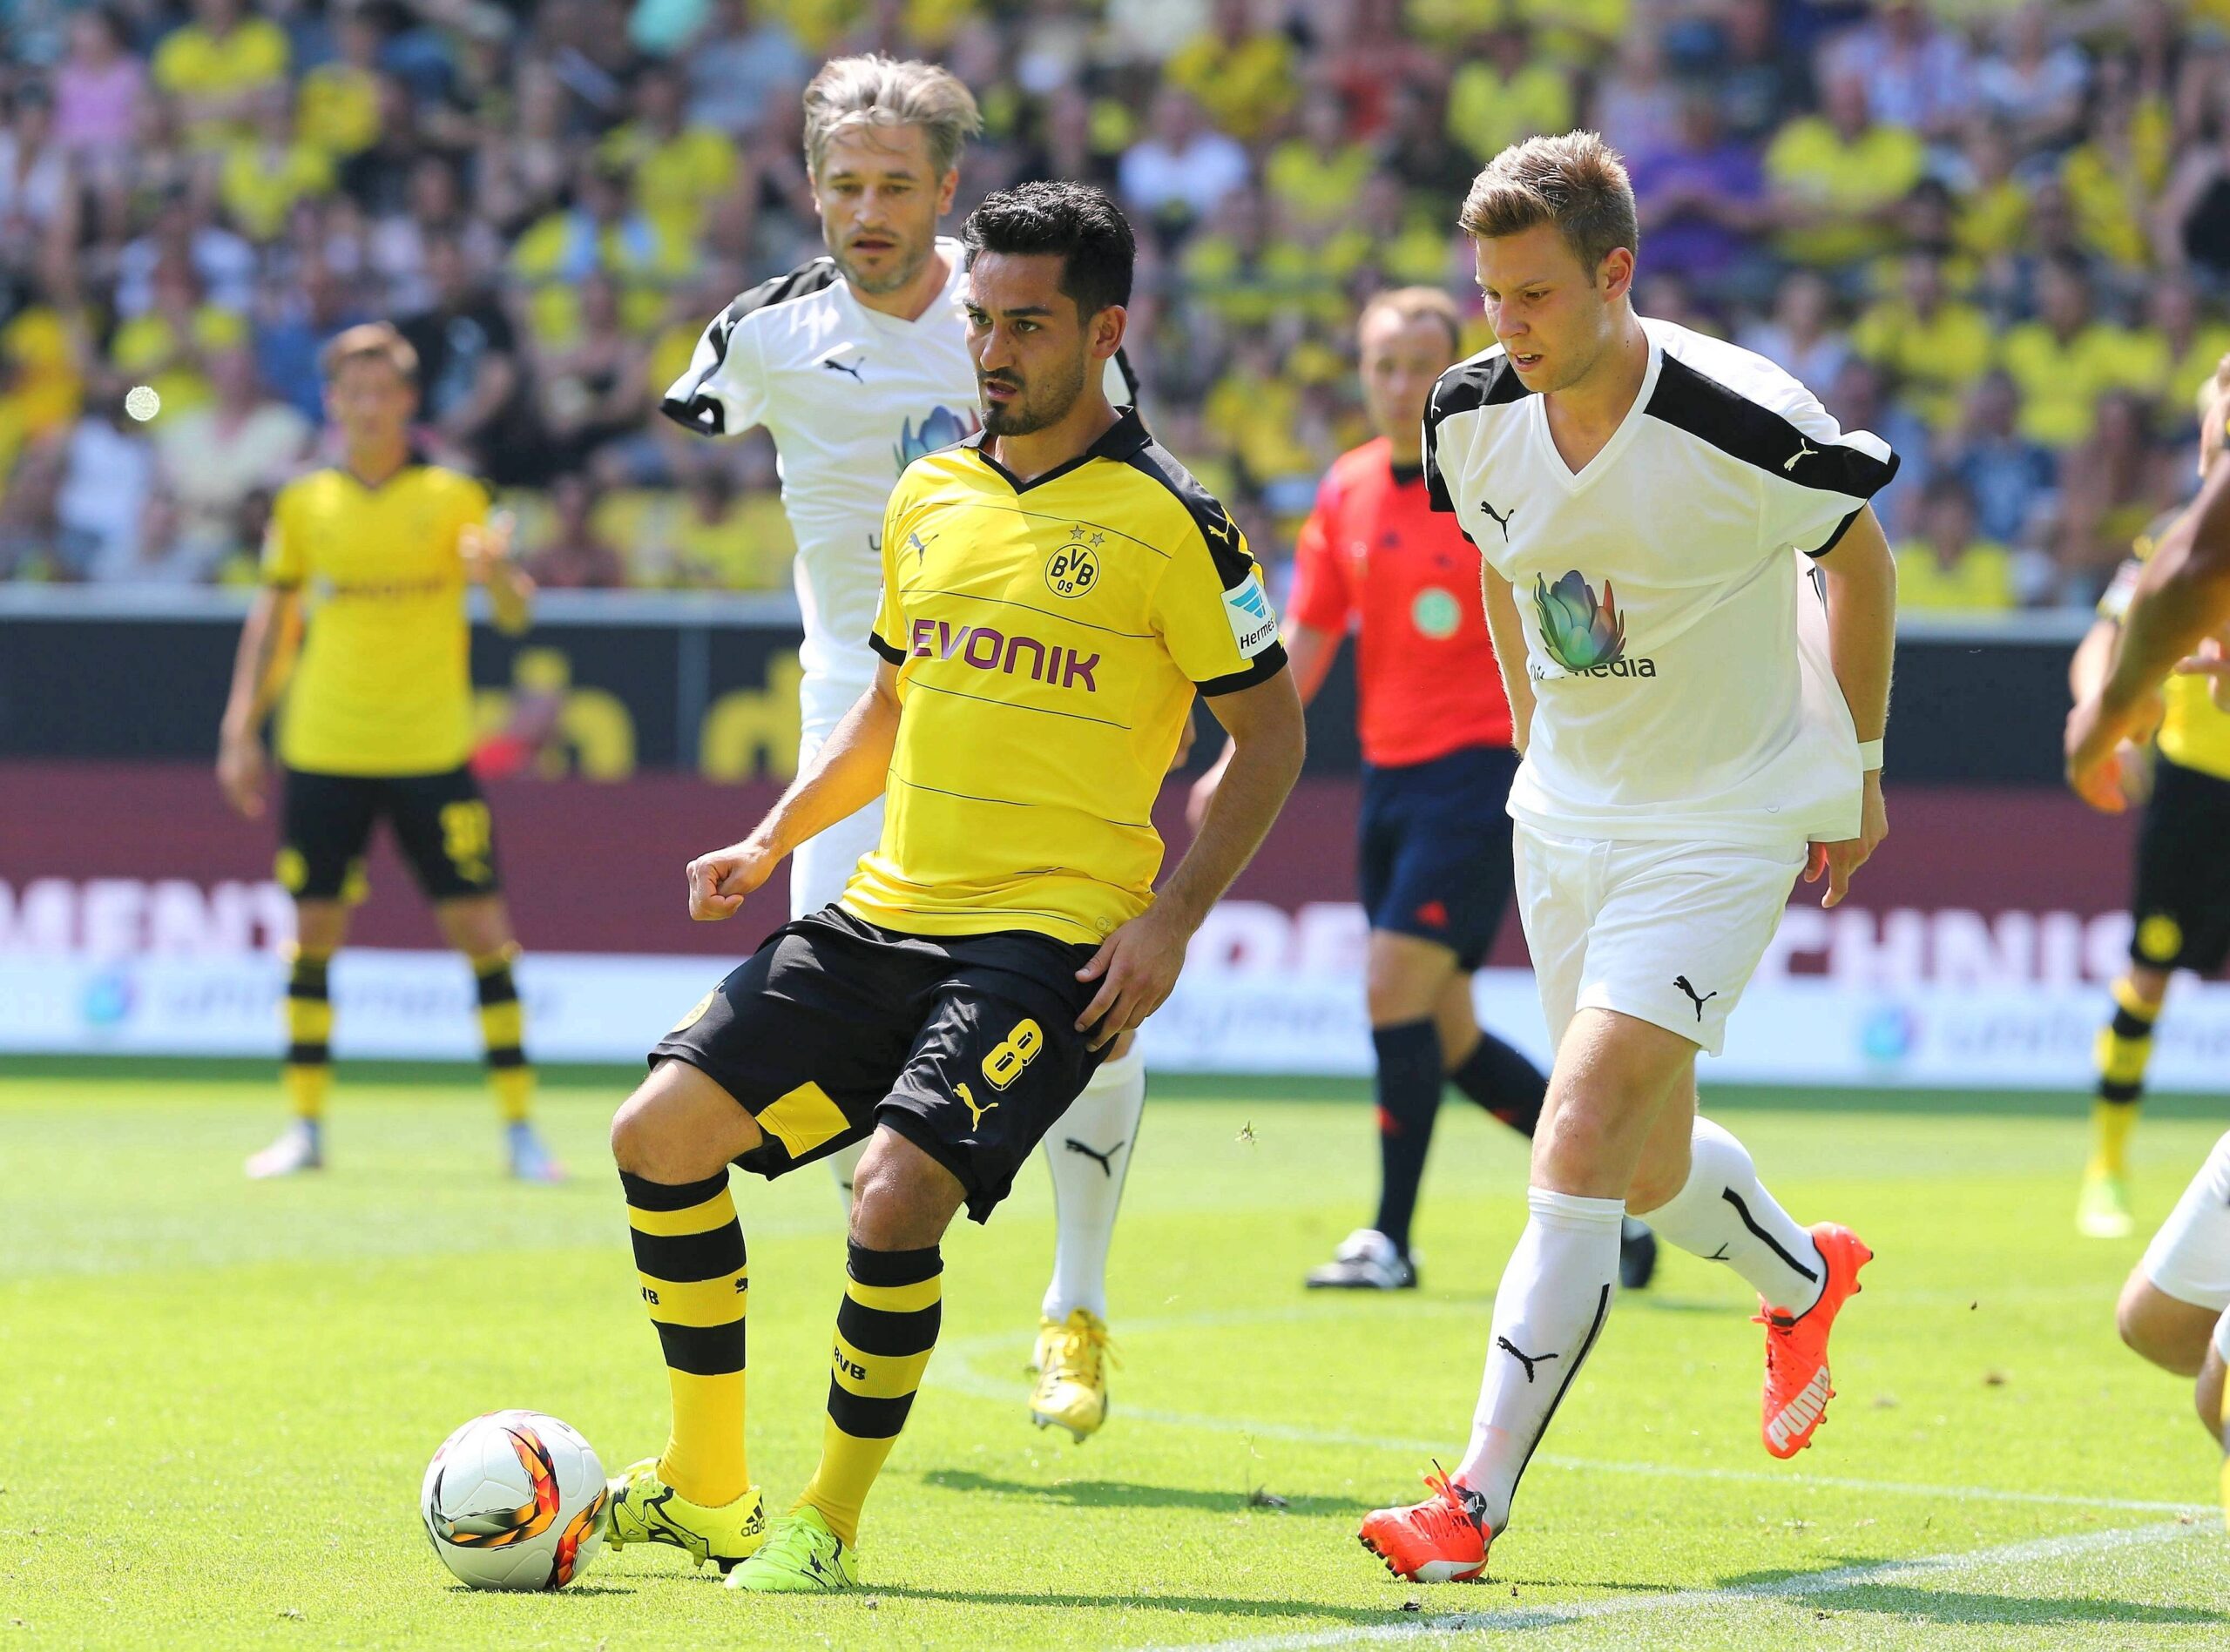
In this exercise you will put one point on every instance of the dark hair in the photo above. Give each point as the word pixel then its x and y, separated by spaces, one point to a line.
pixel 1080 223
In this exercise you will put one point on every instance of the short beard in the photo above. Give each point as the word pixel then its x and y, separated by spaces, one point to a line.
pixel 1027 413
pixel 896 281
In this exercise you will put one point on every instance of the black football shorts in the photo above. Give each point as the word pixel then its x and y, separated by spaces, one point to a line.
pixel 2182 902
pixel 441 824
pixel 966 1045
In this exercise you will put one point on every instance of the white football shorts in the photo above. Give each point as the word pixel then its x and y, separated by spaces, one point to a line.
pixel 822 865
pixel 1668 932
pixel 2189 1258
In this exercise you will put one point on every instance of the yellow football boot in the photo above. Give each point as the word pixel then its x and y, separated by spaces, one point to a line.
pixel 645 1509
pixel 1072 1360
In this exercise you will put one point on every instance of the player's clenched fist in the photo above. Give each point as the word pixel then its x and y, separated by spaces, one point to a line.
pixel 719 881
pixel 240 771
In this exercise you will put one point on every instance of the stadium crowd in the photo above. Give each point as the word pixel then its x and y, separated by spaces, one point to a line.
pixel 1997 235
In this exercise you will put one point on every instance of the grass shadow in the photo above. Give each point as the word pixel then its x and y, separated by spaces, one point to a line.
pixel 1949 1605
pixel 1204 1605
pixel 1124 1493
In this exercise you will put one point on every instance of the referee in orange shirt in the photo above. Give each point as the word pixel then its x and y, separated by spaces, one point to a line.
pixel 1374 559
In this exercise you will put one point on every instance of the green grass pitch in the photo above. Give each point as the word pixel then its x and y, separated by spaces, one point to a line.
pixel 216 1398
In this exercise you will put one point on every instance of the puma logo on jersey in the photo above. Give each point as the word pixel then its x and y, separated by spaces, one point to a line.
pixel 1500 518
pixel 1681 982
pixel 1105 1161
pixel 990 650
pixel 967 1099
pixel 1526 1360
pixel 919 546
pixel 1804 450
pixel 1802 1412
pixel 834 365
pixel 1223 529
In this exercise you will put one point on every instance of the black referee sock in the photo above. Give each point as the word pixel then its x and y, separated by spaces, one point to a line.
pixel 1409 1095
pixel 1504 1082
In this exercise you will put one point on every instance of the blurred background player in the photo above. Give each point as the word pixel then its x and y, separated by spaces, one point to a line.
pixel 2175 1308
pixel 857 364
pixel 1375 557
pixel 1005 930
pixel 377 721
pixel 2181 904
pixel 1701 703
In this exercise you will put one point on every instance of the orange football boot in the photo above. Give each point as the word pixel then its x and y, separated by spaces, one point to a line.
pixel 1443 1540
pixel 1798 1386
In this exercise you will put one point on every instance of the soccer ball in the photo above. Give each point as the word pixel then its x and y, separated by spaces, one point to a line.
pixel 515 1501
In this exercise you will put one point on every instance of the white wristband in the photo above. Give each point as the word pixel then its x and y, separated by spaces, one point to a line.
pixel 1869 756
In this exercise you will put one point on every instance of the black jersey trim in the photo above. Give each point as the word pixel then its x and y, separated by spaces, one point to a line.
pixel 1118 441
pixel 1743 429
pixel 1218 531
pixel 703 413
pixel 1264 666
pixel 1485 381
pixel 895 656
pixel 1836 538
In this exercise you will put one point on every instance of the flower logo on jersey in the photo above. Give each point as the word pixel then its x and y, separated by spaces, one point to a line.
pixel 1580 633
pixel 1436 613
pixel 940 429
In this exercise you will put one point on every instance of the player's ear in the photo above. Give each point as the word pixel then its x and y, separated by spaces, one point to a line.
pixel 1107 331
pixel 948 187
pixel 1615 275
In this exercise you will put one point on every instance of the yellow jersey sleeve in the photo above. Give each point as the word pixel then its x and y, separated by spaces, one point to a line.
pixel 887 635
pixel 283 561
pixel 1212 611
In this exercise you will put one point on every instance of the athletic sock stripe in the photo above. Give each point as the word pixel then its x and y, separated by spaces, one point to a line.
pixel 2122 1093
pixel 892 1267
pixel 702 1350
pixel 645 1195
pixel 888 1336
pixel 865 1418
pixel 701 1218
pixel 309 980
pixel 1602 1312
pixel 690 1256
pixel 501 1055
pixel 873 1377
pixel 2135 1028
pixel 319 1055
pixel 1767 1239
pixel 498 987
pixel 695 1302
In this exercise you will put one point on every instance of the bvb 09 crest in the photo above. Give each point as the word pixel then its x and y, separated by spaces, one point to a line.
pixel 1072 570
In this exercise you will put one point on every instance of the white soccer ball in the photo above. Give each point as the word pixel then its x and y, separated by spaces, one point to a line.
pixel 515 1501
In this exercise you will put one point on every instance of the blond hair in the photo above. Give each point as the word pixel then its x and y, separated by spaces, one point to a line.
pixel 1576 182
pixel 876 90
pixel 372 342
pixel 1415 303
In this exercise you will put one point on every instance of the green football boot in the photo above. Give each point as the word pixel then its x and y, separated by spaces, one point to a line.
pixel 645 1509
pixel 800 1556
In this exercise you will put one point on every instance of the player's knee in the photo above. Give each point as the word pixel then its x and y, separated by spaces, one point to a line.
pixel 902 1198
pixel 2153 1329
pixel 645 1143
pixel 2206 1397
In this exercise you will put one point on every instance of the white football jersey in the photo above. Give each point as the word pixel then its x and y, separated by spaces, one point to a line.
pixel 852 397
pixel 1675 635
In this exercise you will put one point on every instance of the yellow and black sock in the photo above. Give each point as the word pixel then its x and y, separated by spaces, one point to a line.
pixel 502 1033
pixel 2124 1047
pixel 885 1332
pixel 309 1071
pixel 689 1255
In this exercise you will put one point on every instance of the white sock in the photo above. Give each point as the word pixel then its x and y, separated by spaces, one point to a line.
pixel 1088 1150
pixel 1549 1310
pixel 1724 1214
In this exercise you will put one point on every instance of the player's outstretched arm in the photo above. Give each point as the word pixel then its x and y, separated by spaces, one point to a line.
pixel 1503 625
pixel 2182 597
pixel 1137 966
pixel 1862 577
pixel 268 639
pixel 845 774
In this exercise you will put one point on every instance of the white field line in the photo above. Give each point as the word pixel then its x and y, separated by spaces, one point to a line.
pixel 2052 1554
pixel 954 1370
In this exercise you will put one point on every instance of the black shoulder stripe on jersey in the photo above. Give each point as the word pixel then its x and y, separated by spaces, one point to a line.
pixel 1217 528
pixel 1741 429
pixel 701 412
pixel 1490 382
pixel 885 650
pixel 1836 538
pixel 1264 666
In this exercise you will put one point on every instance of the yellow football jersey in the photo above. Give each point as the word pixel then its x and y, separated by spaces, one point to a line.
pixel 2195 731
pixel 383 686
pixel 1048 636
